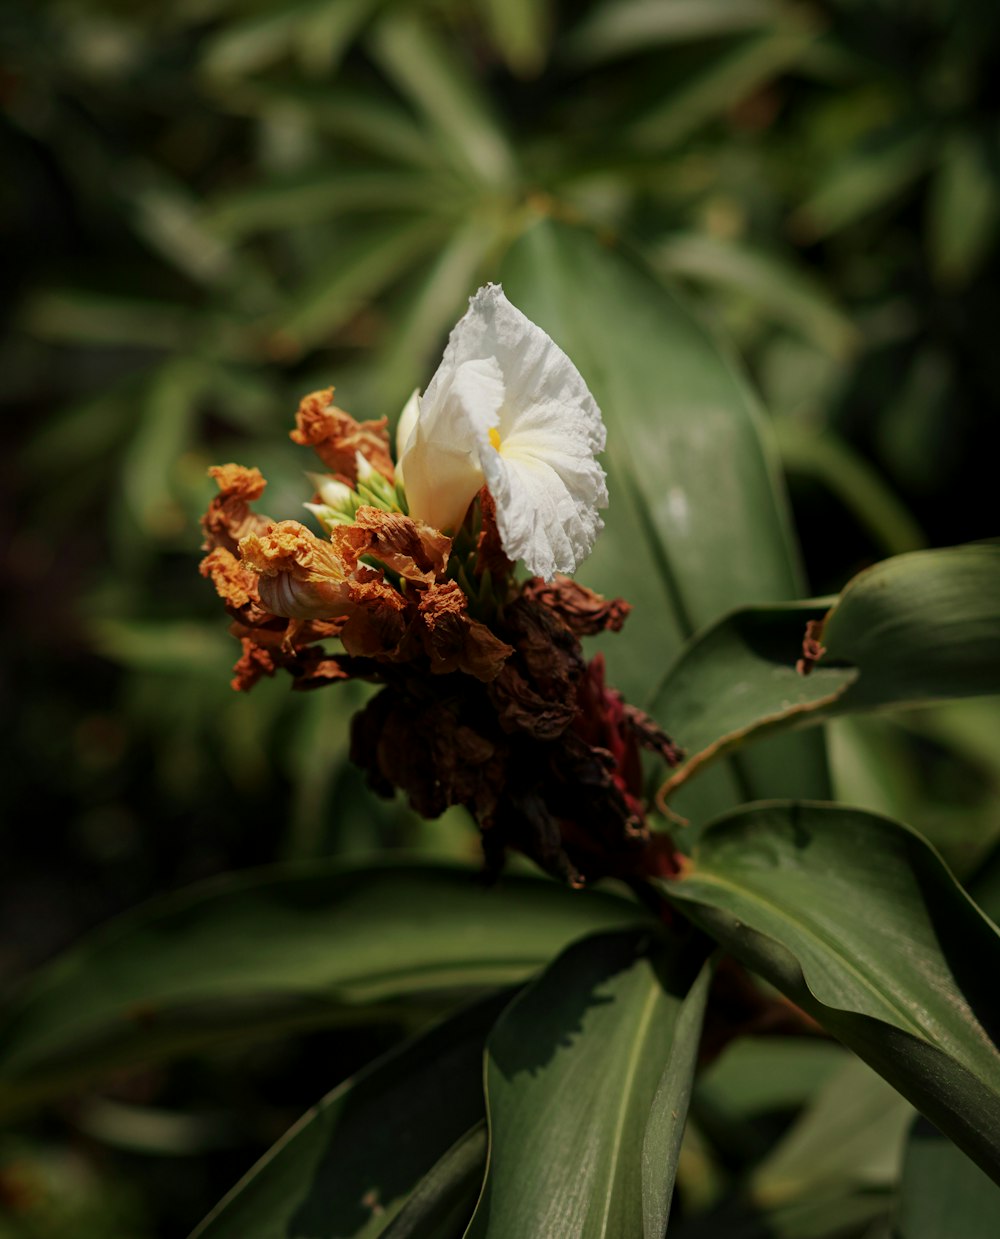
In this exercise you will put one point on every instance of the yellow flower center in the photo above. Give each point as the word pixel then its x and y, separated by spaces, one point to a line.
pixel 495 437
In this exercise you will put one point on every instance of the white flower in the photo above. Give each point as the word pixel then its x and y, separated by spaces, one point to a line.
pixel 508 408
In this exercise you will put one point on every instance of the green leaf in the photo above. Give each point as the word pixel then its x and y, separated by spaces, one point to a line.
pixel 850 1135
pixel 729 78
pixel 443 1200
pixel 823 456
pixel 929 621
pixel 256 953
pixel 439 85
pixel 321 29
pixel 778 287
pixel 625 27
pixel 519 28
pixel 80 316
pixel 833 1170
pixel 942 1192
pixel 857 920
pixel 348 1166
pixel 371 122
pixel 861 182
pixel 165 421
pixel 354 274
pixel 915 628
pixel 584 1116
pixel 661 1145
pixel 963 209
pixel 697 521
pixel 754 1075
pixel 438 302
pixel 320 196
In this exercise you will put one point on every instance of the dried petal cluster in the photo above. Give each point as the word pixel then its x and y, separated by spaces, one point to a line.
pixel 485 697
pixel 286 589
pixel 544 755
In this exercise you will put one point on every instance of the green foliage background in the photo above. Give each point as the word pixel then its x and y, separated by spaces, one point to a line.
pixel 219 205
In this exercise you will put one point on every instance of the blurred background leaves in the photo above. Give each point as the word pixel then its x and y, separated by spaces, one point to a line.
pixel 216 206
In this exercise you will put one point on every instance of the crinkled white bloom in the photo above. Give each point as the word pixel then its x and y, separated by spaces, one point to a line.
pixel 507 407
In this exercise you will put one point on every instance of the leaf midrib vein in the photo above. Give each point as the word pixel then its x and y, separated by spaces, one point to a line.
pixel 630 1074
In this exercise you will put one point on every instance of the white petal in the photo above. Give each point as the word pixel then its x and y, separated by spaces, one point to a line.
pixel 500 371
pixel 405 425
pixel 535 369
pixel 441 462
pixel 547 506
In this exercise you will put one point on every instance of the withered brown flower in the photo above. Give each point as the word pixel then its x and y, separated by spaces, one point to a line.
pixel 337 438
pixel 485 698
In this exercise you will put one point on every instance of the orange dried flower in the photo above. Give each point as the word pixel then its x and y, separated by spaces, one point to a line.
pixel 229 517
pixel 336 437
pixel 411 548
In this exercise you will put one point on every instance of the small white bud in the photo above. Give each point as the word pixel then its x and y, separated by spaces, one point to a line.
pixel 334 494
pixel 407 420
pixel 365 470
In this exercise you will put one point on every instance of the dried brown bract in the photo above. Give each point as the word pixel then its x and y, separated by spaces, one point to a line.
pixel 410 548
pixel 452 640
pixel 580 609
pixel 490 555
pixel 544 755
pixel 812 647
pixel 229 517
pixel 336 437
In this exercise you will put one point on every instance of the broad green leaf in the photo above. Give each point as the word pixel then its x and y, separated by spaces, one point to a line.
pixel 661 1145
pixel 777 287
pixel 737 681
pixel 942 1192
pixel 857 919
pixel 255 953
pixel 584 1118
pixel 347 1167
pixel 444 1199
pixel 697 521
pixel 915 628
pixel 929 620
